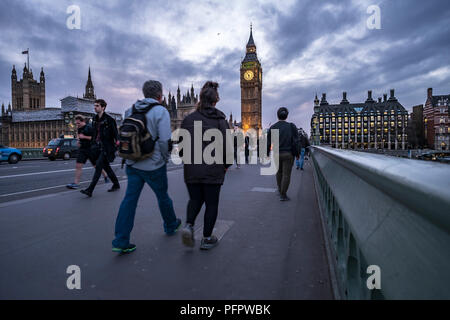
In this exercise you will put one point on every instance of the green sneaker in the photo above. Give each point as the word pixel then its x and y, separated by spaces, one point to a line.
pixel 131 247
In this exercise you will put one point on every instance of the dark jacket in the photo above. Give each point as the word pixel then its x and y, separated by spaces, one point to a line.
pixel 107 128
pixel 288 138
pixel 206 173
pixel 87 131
pixel 304 143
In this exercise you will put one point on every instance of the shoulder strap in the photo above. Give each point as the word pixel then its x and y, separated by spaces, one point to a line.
pixel 146 109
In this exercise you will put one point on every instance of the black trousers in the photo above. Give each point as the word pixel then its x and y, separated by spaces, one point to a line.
pixel 200 193
pixel 102 163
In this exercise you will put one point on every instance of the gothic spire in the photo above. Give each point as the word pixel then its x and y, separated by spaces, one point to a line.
pixel 89 93
pixel 251 42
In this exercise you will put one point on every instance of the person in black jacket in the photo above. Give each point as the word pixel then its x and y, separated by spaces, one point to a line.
pixel 204 180
pixel 104 144
pixel 304 144
pixel 288 149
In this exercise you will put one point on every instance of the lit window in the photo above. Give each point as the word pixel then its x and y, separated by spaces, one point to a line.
pixel 379 118
pixel 372 124
pixel 346 131
pixel 359 124
pixel 392 123
pixel 353 119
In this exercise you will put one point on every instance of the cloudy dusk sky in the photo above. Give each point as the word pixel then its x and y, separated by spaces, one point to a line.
pixel 304 46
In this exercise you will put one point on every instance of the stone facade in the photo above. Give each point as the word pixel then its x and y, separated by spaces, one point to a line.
pixel 436 115
pixel 251 88
pixel 368 125
pixel 31 125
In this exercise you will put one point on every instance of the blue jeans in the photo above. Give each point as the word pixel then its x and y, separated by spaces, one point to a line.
pixel 299 163
pixel 157 180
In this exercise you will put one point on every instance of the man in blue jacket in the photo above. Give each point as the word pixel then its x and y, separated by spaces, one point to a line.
pixel 152 171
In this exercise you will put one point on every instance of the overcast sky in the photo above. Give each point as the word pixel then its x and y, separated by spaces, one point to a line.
pixel 304 46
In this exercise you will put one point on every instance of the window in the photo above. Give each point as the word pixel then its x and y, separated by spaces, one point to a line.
pixel 392 123
pixel 353 130
pixel 346 125
pixel 67 143
pixel 346 131
pixel 352 124
pixel 359 124
pixel 74 143
pixel 379 118
pixel 353 119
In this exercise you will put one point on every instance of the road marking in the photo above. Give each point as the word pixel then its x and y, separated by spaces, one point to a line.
pixel 47 172
pixel 22 201
pixel 258 189
pixel 35 190
pixel 221 227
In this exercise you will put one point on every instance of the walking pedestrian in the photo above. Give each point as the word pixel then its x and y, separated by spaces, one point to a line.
pixel 303 144
pixel 247 148
pixel 288 149
pixel 237 138
pixel 103 146
pixel 204 181
pixel 152 170
pixel 85 133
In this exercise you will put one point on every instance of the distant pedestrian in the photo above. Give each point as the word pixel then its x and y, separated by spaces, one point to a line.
pixel 203 180
pixel 85 133
pixel 103 146
pixel 237 138
pixel 303 144
pixel 288 149
pixel 152 170
pixel 247 148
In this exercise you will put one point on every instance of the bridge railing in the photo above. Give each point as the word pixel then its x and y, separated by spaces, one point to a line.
pixel 388 212
pixel 32 153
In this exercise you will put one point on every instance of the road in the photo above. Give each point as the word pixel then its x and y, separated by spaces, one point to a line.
pixel 268 249
pixel 40 177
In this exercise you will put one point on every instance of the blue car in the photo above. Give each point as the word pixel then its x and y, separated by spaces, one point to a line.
pixel 12 155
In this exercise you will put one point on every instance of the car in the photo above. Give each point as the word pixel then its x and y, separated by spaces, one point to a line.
pixel 434 156
pixel 61 148
pixel 12 155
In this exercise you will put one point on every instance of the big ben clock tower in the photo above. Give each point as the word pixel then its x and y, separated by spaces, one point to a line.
pixel 251 87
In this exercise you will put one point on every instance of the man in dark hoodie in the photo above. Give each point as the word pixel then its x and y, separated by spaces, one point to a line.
pixel 204 180
pixel 103 146
pixel 288 149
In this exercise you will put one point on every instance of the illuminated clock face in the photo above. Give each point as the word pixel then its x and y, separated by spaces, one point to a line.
pixel 248 75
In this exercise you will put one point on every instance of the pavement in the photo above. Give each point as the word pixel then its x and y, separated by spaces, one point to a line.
pixel 268 249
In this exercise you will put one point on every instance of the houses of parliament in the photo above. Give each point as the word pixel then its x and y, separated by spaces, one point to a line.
pixel 28 123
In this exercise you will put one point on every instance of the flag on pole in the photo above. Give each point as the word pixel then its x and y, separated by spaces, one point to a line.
pixel 25 52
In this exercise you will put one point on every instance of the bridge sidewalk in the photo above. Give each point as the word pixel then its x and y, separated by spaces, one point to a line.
pixel 269 250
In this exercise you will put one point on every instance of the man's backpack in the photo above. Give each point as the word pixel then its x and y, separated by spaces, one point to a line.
pixel 136 142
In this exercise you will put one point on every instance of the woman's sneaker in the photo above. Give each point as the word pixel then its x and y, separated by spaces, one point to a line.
pixel 209 242
pixel 73 186
pixel 187 235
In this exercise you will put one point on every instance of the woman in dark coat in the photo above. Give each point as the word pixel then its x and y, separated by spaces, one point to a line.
pixel 204 180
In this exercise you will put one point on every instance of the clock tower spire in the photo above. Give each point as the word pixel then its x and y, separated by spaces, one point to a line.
pixel 251 88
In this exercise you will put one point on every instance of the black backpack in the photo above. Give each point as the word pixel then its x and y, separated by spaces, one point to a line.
pixel 136 142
